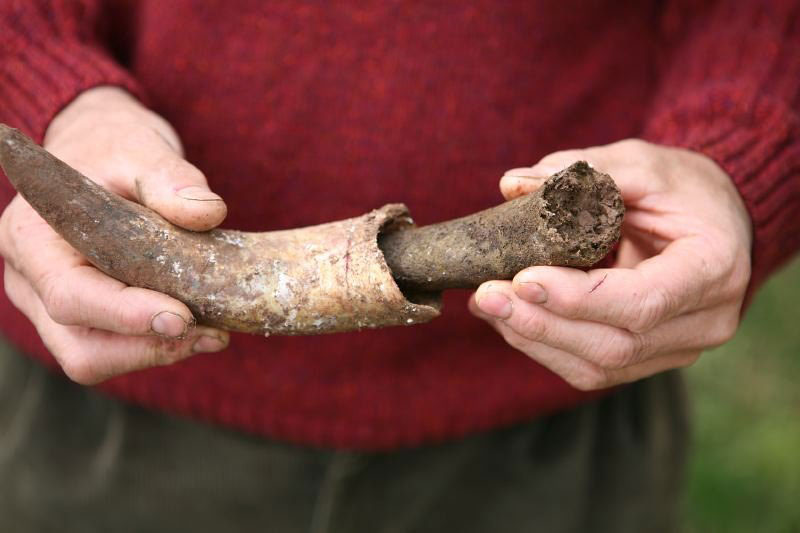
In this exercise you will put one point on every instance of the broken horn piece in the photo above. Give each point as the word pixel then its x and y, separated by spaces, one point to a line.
pixel 333 277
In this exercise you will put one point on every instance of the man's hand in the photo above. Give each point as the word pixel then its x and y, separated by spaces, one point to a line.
pixel 95 326
pixel 676 288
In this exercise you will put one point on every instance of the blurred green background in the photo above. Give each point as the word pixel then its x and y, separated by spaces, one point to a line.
pixel 745 467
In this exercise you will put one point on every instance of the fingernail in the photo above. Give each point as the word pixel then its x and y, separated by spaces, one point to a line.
pixel 539 172
pixel 521 185
pixel 523 173
pixel 529 290
pixel 199 194
pixel 169 324
pixel 495 303
pixel 208 344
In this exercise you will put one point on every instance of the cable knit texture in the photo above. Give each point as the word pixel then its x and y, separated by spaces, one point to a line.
pixel 300 113
pixel 731 90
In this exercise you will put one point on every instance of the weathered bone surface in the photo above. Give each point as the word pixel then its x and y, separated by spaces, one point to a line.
pixel 321 279
pixel 572 220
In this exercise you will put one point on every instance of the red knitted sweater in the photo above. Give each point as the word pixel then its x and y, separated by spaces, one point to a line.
pixel 305 112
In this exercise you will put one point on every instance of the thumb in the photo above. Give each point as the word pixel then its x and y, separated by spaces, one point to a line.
pixel 179 192
pixel 110 137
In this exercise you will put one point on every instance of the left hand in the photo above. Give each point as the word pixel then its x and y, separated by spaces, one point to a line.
pixel 676 287
pixel 95 326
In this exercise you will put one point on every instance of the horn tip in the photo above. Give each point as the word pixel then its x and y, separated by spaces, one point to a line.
pixel 8 136
pixel 11 142
pixel 6 131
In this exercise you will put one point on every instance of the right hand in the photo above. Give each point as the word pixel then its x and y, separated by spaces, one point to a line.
pixel 95 326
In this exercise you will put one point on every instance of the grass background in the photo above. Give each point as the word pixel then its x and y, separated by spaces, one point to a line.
pixel 745 467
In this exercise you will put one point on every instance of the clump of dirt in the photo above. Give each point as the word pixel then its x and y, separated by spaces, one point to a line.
pixel 585 209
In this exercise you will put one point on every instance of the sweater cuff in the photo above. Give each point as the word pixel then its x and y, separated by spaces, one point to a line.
pixel 755 139
pixel 42 80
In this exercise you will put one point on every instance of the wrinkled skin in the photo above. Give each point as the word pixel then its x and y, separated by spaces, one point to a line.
pixel 676 289
pixel 95 326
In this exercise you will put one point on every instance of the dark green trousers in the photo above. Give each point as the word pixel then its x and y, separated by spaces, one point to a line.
pixel 74 461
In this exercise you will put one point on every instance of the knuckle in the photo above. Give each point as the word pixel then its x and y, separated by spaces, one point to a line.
pixel 621 351
pixel 724 330
pixel 5 237
pixel 131 323
pixel 190 172
pixel 691 359
pixel 164 352
pixel 75 357
pixel 739 277
pixel 9 229
pixel 652 307
pixel 684 360
pixel 589 379
pixel 639 153
pixel 12 288
pixel 561 158
pixel 161 128
pixel 515 341
pixel 57 300
pixel 125 315
pixel 532 325
pixel 78 367
pixel 137 134
pixel 172 167
pixel 571 303
pixel 634 144
pixel 106 133
pixel 727 268
pixel 120 115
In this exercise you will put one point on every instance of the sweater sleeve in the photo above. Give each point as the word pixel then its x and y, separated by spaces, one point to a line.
pixel 730 88
pixel 50 51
